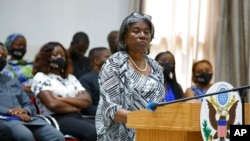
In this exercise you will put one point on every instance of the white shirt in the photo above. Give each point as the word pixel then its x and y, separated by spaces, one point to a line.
pixel 63 87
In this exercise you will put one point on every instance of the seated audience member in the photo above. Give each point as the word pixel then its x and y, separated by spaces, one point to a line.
pixel 5 132
pixel 89 81
pixel 78 47
pixel 20 113
pixel 112 40
pixel 59 94
pixel 173 89
pixel 17 67
pixel 202 73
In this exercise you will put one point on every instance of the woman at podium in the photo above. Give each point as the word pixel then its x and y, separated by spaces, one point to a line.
pixel 128 80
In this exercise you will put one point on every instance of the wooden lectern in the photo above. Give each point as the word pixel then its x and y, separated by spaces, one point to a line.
pixel 173 122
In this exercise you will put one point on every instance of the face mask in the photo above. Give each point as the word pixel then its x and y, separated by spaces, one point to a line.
pixel 203 78
pixel 57 64
pixel 2 63
pixel 167 70
pixel 18 53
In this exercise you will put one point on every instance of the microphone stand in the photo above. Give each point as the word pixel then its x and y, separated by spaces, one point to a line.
pixel 242 96
pixel 241 90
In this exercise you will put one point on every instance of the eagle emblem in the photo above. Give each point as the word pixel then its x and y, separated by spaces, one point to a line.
pixel 218 112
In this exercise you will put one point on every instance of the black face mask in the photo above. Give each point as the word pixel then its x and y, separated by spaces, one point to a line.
pixel 204 78
pixel 18 53
pixel 2 63
pixel 167 70
pixel 57 64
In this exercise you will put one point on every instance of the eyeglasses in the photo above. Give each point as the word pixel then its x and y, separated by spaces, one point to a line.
pixel 139 15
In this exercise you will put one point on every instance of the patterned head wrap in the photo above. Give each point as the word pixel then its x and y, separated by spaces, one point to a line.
pixel 11 38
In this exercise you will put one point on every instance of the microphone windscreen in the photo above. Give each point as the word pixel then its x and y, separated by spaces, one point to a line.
pixel 151 106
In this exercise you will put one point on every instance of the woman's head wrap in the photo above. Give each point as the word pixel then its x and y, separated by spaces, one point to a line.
pixel 11 38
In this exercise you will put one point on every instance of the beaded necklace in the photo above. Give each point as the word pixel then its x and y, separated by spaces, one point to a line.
pixel 142 70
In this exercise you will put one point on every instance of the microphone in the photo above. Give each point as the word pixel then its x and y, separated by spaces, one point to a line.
pixel 152 106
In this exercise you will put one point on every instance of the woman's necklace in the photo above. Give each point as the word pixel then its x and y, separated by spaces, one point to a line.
pixel 142 70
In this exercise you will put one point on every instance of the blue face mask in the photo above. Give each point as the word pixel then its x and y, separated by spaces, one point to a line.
pixel 2 63
pixel 57 64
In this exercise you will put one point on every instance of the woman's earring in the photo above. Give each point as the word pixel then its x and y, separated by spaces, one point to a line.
pixel 171 75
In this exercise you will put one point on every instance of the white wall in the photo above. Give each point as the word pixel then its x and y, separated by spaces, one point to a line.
pixel 41 21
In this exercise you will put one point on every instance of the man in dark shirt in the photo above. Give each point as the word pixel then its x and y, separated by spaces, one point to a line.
pixel 89 81
pixel 78 47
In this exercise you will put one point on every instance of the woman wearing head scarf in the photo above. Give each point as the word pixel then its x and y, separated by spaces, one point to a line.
pixel 17 67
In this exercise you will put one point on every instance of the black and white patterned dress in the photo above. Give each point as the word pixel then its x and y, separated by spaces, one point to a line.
pixel 122 87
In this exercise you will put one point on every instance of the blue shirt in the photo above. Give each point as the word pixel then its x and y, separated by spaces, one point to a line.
pixel 198 91
pixel 169 95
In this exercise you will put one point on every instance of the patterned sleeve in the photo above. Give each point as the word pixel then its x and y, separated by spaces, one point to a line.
pixel 110 100
pixel 40 83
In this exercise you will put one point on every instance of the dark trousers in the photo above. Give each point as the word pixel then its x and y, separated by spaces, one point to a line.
pixel 5 133
pixel 75 125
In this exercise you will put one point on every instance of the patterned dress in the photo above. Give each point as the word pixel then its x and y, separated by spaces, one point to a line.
pixel 20 70
pixel 122 87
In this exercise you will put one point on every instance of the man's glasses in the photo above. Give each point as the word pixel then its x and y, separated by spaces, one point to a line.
pixel 139 15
